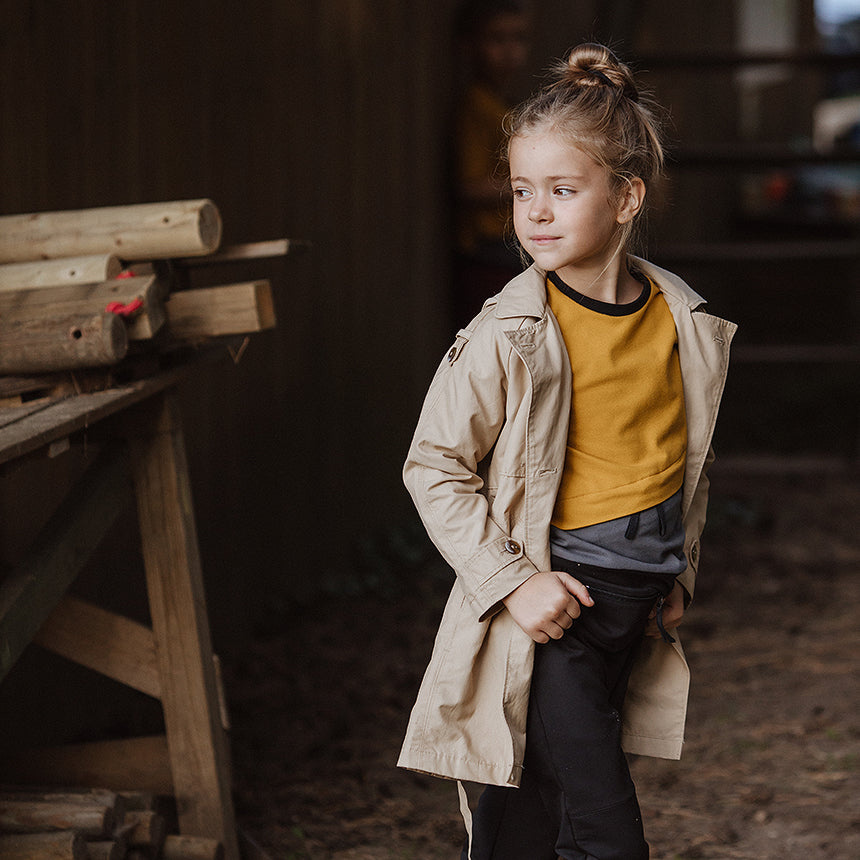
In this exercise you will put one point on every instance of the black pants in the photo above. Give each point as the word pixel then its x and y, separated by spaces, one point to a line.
pixel 577 800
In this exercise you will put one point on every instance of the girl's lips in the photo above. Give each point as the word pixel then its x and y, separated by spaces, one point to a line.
pixel 543 240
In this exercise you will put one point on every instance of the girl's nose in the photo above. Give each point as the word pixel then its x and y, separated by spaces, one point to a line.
pixel 539 210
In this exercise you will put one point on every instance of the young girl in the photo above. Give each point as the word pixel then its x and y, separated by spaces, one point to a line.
pixel 559 465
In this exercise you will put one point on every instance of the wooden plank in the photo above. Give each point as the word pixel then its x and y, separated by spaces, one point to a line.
pixel 144 231
pixel 219 311
pixel 103 641
pixel 197 742
pixel 92 298
pixel 91 269
pixel 63 546
pixel 10 413
pixel 247 251
pixel 134 763
pixel 35 431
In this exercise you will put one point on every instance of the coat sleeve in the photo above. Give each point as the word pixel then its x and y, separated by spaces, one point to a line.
pixel 461 419
pixel 695 524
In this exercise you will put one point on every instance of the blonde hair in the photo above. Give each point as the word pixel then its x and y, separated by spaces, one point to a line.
pixel 594 102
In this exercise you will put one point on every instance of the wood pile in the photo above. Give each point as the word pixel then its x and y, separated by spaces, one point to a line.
pixel 94 824
pixel 94 291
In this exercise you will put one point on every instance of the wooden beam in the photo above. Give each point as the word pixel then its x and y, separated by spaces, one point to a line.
pixel 247 251
pixel 42 343
pixel 91 269
pixel 103 641
pixel 65 543
pixel 30 432
pixel 198 746
pixel 218 311
pixel 145 231
pixel 135 763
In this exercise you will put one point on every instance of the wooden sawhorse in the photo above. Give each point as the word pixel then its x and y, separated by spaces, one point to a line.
pixel 173 661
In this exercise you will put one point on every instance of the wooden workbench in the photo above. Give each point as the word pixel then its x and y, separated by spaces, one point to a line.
pixel 141 453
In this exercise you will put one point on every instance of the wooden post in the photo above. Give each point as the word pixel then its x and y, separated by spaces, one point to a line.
pixel 196 741
pixel 144 231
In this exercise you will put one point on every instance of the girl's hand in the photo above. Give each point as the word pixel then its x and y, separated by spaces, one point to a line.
pixel 547 603
pixel 673 611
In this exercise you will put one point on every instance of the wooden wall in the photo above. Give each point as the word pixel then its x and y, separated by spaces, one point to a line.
pixel 316 120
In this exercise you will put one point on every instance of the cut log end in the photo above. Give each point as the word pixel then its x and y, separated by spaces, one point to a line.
pixel 209 224
pixel 114 338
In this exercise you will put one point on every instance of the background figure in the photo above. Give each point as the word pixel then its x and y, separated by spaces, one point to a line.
pixel 495 36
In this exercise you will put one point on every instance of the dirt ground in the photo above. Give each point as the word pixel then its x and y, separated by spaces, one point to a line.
pixel 771 767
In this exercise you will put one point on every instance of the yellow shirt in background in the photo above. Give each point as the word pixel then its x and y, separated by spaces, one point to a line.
pixel 478 147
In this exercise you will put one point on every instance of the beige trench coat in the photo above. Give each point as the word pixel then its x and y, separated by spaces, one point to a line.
pixel 483 469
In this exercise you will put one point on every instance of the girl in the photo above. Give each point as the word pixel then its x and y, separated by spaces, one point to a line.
pixel 559 465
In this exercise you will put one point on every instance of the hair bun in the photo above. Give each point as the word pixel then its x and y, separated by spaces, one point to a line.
pixel 592 65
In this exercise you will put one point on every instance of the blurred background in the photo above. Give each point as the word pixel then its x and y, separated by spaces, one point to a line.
pixel 337 122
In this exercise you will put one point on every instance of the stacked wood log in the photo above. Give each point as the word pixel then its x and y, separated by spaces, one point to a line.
pixel 94 824
pixel 95 288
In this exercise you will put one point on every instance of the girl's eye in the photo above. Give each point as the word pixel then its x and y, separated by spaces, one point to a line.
pixel 520 193
pixel 564 192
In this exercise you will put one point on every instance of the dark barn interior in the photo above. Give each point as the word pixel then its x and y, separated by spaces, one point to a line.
pixel 330 122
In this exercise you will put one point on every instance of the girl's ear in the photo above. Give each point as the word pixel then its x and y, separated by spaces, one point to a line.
pixel 631 200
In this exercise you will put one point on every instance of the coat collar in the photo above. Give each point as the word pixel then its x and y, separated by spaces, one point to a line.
pixel 525 295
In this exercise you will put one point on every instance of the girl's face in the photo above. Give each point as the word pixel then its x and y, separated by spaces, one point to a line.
pixel 565 214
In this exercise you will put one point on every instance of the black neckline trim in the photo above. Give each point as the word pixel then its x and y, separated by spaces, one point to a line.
pixel 607 308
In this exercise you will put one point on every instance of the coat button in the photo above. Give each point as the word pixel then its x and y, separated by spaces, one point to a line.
pixel 694 553
pixel 512 547
pixel 452 353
